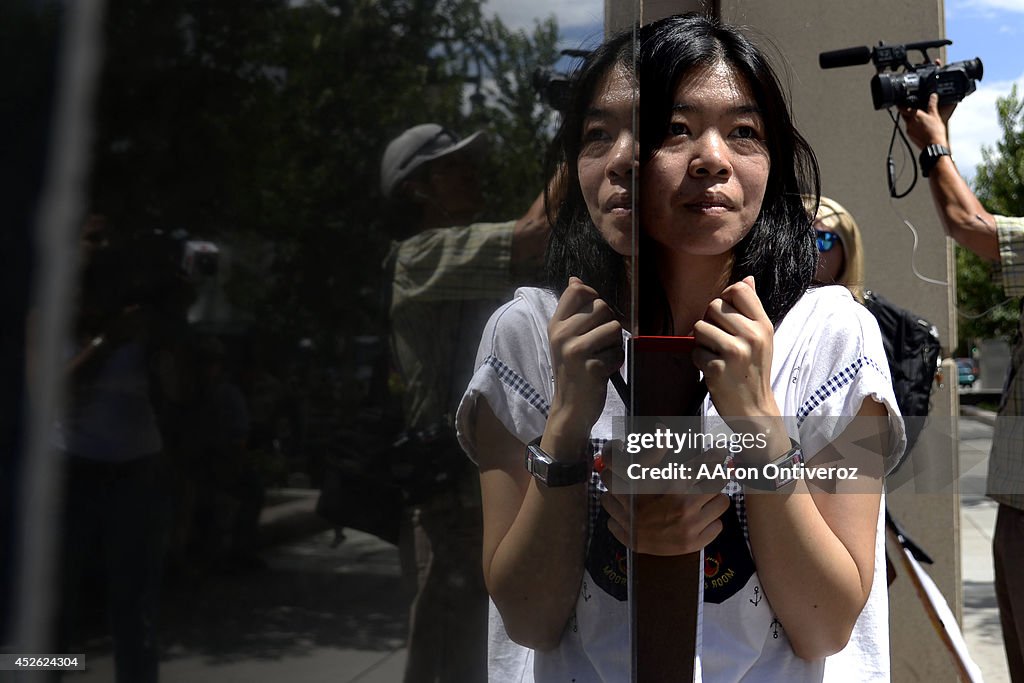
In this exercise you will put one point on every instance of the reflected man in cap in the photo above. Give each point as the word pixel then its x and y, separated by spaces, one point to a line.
pixel 449 274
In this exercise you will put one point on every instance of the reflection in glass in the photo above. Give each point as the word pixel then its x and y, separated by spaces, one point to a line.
pixel 273 322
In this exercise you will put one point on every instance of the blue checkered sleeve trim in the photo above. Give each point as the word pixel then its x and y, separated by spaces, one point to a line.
pixel 834 384
pixel 741 510
pixel 517 383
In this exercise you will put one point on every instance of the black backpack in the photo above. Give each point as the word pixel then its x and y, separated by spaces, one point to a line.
pixel 912 347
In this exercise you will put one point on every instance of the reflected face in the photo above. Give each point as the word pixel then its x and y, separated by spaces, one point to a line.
pixel 702 190
pixel 608 159
pixel 452 184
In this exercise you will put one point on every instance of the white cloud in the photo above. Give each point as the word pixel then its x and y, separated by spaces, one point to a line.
pixel 568 13
pixel 975 123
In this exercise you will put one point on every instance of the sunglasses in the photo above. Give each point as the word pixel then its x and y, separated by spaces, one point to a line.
pixel 826 240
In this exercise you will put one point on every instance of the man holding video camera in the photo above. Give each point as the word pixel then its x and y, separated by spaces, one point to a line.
pixel 999 239
pixel 447 276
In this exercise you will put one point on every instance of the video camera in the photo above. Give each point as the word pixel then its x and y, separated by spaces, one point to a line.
pixel 553 86
pixel 916 83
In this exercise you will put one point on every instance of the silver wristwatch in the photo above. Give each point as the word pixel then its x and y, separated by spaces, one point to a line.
pixel 551 472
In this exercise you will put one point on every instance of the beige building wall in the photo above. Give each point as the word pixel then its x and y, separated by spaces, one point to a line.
pixel 834 112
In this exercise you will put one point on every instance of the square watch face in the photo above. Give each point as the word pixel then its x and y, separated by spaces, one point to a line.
pixel 540 467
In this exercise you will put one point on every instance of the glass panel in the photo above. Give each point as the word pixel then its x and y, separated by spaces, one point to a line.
pixel 295 221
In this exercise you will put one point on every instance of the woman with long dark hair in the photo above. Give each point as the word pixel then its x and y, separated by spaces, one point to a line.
pixel 724 251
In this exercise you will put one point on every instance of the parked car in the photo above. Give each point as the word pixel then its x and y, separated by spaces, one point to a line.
pixel 967 372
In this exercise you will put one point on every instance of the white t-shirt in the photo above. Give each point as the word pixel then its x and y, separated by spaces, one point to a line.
pixel 828 358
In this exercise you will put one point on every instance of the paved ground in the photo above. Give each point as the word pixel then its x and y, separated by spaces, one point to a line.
pixel 316 613
pixel 977 520
pixel 322 613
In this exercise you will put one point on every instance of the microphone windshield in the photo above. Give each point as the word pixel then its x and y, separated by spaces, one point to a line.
pixel 850 56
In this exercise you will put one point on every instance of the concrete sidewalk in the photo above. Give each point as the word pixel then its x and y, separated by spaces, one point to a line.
pixel 977 522
pixel 980 615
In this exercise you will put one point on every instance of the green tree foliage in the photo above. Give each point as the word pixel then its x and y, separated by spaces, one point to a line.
pixel 999 184
pixel 1000 180
pixel 261 125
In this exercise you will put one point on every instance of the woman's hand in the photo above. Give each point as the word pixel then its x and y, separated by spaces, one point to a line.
pixel 586 348
pixel 734 351
pixel 673 519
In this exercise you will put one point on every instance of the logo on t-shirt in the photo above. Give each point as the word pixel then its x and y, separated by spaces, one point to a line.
pixel 607 559
pixel 727 561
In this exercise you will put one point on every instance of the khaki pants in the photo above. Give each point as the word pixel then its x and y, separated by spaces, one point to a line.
pixel 1008 558
pixel 448 618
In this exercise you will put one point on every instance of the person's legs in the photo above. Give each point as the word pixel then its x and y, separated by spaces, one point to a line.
pixel 133 558
pixel 1008 558
pixel 251 496
pixel 84 492
pixel 448 619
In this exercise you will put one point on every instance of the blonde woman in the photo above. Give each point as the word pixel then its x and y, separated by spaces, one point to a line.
pixel 840 257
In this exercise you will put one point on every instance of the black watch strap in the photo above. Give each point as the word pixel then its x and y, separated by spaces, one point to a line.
pixel 930 156
pixel 551 472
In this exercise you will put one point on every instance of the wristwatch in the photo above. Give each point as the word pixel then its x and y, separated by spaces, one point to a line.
pixel 787 467
pixel 930 156
pixel 776 474
pixel 551 472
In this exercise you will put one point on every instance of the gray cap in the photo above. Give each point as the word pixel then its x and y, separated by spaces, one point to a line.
pixel 415 147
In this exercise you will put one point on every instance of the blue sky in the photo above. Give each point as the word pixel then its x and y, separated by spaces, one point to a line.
pixel 990 29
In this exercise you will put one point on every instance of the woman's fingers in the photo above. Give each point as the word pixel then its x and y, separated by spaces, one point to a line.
pixel 742 296
pixel 616 506
pixel 726 317
pixel 590 315
pixel 711 336
pixel 576 294
pixel 734 350
pixel 584 326
pixel 716 506
pixel 665 524
pixel 578 303
pixel 615 463
pixel 710 532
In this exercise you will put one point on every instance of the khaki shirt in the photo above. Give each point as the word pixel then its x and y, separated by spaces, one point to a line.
pixel 447 283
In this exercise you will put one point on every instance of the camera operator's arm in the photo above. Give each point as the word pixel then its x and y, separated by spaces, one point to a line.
pixel 530 239
pixel 478 261
pixel 963 216
pixel 533 231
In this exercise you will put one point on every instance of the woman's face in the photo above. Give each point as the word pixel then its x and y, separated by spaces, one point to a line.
pixel 702 190
pixel 831 256
pixel 608 159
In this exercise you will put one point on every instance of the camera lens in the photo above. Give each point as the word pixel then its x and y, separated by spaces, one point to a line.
pixel 974 68
pixel 883 91
pixel 898 90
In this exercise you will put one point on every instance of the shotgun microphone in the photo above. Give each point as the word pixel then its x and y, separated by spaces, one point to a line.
pixel 850 56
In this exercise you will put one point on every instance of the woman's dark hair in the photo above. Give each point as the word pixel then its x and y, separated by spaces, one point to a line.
pixel 576 246
pixel 779 250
